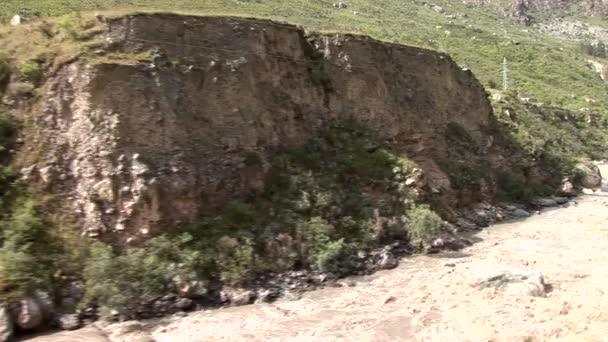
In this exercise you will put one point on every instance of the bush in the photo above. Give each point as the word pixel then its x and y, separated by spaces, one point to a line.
pixel 123 282
pixel 31 71
pixel 27 255
pixel 327 256
pixel 463 175
pixel 238 265
pixel 424 224
pixel 71 25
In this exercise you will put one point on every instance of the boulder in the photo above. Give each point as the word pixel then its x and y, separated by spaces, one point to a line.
pixel 568 189
pixel 6 325
pixel 16 20
pixel 480 217
pixel 387 260
pixel 184 304
pixel 189 288
pixel 68 322
pixel 519 282
pixel 466 224
pixel 30 313
pixel 589 175
pixel 237 297
pixel 267 295
pixel 520 213
pixel 544 202
pixel 560 200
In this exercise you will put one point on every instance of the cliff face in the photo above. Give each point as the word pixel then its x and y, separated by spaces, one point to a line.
pixel 135 146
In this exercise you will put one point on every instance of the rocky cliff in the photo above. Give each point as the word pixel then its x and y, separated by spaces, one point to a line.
pixel 135 144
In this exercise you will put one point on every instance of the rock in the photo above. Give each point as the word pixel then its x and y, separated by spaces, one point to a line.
pixel 466 224
pixel 16 20
pixel 266 295
pixel 455 244
pixel 545 202
pixel 438 243
pixel 389 299
pixel 30 315
pixel 189 288
pixel 68 322
pixel 590 176
pixel 438 9
pixel 347 283
pixel 410 181
pixel 6 325
pixel 480 217
pixel 46 174
pixel 387 261
pixel 240 297
pixel 568 189
pixel 27 172
pixel 518 282
pixel 449 264
pixel 520 213
pixel 560 200
pixel 291 296
pixel 588 191
pixel 184 303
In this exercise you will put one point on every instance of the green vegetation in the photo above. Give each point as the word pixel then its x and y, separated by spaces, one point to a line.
pixel 25 261
pixel 31 71
pixel 466 175
pixel 424 224
pixel 319 208
pixel 544 140
pixel 540 65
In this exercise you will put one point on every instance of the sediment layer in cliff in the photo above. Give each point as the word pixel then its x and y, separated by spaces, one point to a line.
pixel 136 145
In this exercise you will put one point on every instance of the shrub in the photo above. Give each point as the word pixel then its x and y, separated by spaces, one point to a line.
pixel 457 137
pixel 238 266
pixel 71 25
pixel 123 282
pixel 463 175
pixel 513 187
pixel 31 71
pixel 424 224
pixel 27 254
pixel 327 256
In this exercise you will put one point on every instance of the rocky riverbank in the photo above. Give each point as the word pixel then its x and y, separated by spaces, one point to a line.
pixel 268 288
pixel 523 271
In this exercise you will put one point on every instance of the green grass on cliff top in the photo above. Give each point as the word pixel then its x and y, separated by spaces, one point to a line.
pixel 552 70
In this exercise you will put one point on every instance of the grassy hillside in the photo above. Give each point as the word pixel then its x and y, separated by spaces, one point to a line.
pixel 551 70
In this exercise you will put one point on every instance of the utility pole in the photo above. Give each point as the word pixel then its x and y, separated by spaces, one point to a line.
pixel 505 75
